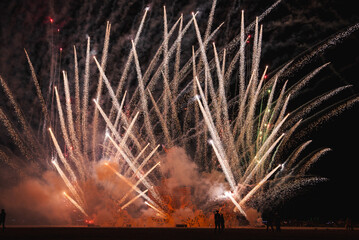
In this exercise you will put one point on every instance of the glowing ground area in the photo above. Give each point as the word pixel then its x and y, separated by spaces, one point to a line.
pixel 69 233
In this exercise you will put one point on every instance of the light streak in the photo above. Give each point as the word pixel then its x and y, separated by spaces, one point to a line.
pixel 133 199
pixel 161 213
pixel 254 190
pixel 139 181
pixel 67 181
pixel 75 204
pixel 238 206
pixel 129 183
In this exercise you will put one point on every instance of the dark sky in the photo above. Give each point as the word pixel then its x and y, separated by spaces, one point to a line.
pixel 293 28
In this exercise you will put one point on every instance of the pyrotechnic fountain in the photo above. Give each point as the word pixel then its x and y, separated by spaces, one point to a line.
pixel 239 138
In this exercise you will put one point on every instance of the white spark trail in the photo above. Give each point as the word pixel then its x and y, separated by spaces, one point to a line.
pixel 133 199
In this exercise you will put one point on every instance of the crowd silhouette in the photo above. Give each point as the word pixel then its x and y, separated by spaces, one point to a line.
pixel 218 221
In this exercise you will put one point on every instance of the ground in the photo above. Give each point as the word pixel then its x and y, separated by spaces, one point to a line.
pixel 92 233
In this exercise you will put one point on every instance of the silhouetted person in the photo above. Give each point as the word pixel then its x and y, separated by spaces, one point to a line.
pixel 277 222
pixel 270 222
pixel 217 221
pixel 221 221
pixel 2 219
pixel 348 224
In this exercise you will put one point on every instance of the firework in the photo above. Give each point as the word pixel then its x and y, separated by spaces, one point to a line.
pixel 185 107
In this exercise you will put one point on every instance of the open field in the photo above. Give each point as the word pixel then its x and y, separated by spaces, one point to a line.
pixel 68 233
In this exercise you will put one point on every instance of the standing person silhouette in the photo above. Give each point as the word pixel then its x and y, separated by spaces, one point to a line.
pixel 277 221
pixel 270 222
pixel 221 221
pixel 348 224
pixel 2 218
pixel 217 221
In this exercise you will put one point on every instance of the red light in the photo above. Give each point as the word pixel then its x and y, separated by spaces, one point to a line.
pixel 51 20
pixel 60 49
pixel 89 221
pixel 249 36
pixel 265 76
pixel 58 30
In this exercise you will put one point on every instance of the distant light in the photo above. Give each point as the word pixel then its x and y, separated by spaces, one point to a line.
pixel 60 49
pixel 51 20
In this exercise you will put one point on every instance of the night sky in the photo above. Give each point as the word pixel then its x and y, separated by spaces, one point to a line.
pixel 292 29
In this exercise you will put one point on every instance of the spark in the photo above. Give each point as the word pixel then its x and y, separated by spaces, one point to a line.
pixel 133 199
pixel 161 213
pixel 75 204
pixel 255 189
pixel 128 183
pixel 238 206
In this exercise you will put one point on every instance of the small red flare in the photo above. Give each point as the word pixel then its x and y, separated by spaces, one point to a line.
pixel 60 49
pixel 51 20
pixel 164 148
pixel 265 76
